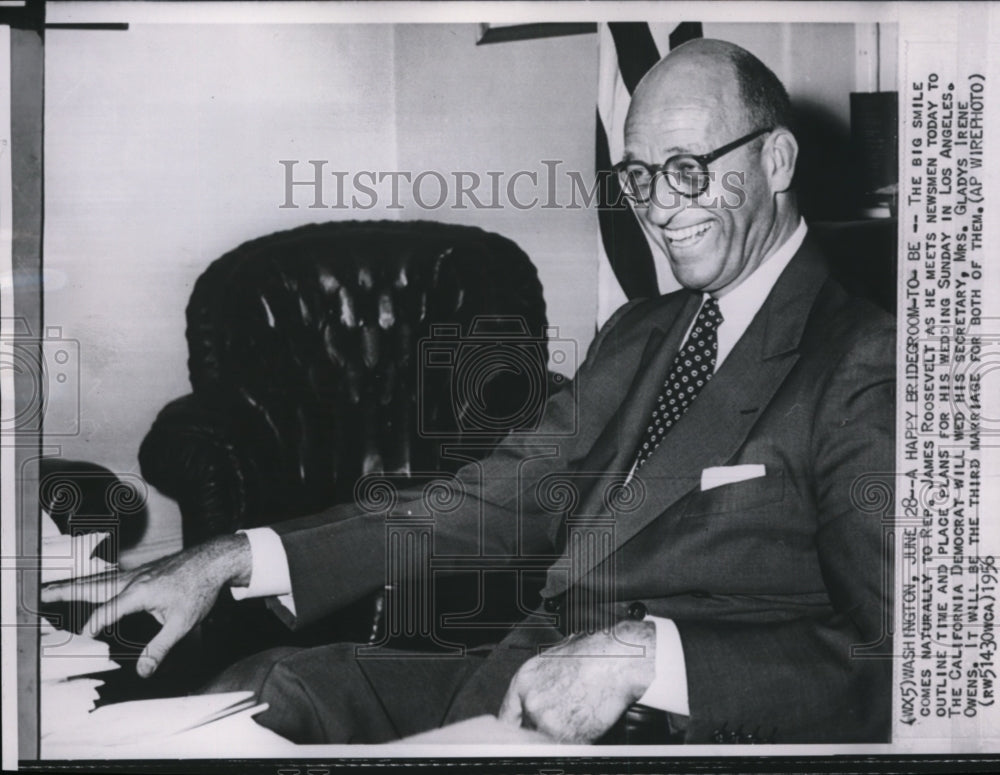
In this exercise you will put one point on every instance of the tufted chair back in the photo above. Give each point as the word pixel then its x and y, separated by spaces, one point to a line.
pixel 333 350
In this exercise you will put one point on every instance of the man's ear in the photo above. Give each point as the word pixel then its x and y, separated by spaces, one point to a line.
pixel 779 154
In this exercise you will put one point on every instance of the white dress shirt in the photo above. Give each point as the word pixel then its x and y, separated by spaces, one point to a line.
pixel 270 575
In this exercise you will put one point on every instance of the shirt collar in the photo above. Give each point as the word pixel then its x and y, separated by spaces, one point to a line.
pixel 743 301
pixel 740 305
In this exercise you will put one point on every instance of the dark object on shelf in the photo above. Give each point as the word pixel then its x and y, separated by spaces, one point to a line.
pixel 863 257
pixel 875 149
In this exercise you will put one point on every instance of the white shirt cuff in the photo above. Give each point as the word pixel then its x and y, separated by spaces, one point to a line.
pixel 269 573
pixel 669 690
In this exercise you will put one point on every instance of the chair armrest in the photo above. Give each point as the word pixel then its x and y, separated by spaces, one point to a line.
pixel 84 497
pixel 217 468
pixel 203 458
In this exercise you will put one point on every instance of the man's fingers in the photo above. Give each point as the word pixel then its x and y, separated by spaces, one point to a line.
pixel 92 589
pixel 510 708
pixel 552 723
pixel 112 611
pixel 57 592
pixel 158 647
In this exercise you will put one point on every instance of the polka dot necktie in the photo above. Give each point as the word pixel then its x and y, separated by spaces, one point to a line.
pixel 690 372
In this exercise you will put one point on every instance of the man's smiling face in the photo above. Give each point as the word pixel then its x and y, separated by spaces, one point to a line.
pixel 691 104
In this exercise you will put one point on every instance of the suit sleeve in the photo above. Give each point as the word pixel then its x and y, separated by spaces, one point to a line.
pixel 339 555
pixel 814 680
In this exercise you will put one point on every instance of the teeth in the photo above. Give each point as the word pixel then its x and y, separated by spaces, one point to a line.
pixel 689 233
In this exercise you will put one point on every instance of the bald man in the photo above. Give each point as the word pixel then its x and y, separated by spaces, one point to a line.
pixel 735 590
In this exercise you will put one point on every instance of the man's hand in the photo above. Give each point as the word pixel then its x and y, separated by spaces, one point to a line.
pixel 178 590
pixel 576 691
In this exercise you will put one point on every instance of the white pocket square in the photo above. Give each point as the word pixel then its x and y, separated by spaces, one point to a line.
pixel 717 476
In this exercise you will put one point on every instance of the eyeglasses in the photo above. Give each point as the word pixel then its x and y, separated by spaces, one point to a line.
pixel 686 173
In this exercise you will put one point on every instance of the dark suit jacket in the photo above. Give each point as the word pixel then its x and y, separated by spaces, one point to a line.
pixel 779 585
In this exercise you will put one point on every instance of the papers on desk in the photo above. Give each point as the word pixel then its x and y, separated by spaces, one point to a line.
pixel 481 730
pixel 63 693
pixel 69 556
pixel 66 700
pixel 65 655
pixel 201 724
pixel 73 727
pixel 147 720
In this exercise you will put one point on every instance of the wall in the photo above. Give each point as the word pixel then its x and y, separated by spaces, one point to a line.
pixel 814 61
pixel 507 107
pixel 161 149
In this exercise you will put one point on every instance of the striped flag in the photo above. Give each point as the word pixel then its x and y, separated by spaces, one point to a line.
pixel 626 269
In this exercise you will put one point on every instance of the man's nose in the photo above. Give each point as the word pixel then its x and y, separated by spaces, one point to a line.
pixel 664 203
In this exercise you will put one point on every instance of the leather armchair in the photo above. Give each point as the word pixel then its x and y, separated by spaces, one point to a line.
pixel 304 351
pixel 334 350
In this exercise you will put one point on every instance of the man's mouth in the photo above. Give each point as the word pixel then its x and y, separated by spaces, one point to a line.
pixel 689 235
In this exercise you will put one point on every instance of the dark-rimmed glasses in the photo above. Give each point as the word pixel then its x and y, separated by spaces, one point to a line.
pixel 686 173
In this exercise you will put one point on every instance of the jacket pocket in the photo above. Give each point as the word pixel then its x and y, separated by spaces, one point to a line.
pixel 736 497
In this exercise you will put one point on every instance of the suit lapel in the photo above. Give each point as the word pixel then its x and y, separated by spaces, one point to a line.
pixel 614 448
pixel 639 361
pixel 719 420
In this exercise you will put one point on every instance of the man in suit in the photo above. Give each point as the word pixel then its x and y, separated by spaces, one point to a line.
pixel 715 559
